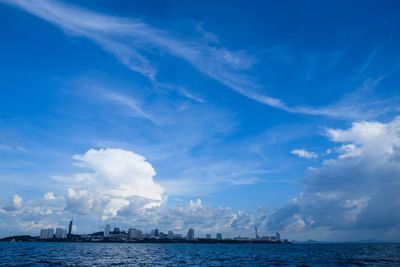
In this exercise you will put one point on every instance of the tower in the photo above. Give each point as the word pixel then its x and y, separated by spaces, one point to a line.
pixel 278 236
pixel 70 227
pixel 257 237
pixel 107 231
pixel 190 234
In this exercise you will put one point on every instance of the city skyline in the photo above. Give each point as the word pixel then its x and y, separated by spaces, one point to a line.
pixel 137 234
pixel 220 116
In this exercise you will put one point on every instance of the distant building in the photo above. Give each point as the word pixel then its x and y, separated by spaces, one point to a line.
pixel 170 235
pixel 190 234
pixel 265 238
pixel 208 236
pixel 43 233
pixel 61 233
pixel 177 236
pixel 47 233
pixel 257 237
pixel 278 236
pixel 241 238
pixel 155 233
pixel 70 227
pixel 219 236
pixel 134 233
pixel 50 233
pixel 107 231
pixel 161 235
pixel 116 231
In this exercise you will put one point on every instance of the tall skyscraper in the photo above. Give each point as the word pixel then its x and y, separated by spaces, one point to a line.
pixel 170 235
pixel 278 236
pixel 219 236
pixel 190 234
pixel 107 231
pixel 257 237
pixel 70 227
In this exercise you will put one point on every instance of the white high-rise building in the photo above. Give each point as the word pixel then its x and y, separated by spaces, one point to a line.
pixel 278 236
pixel 50 233
pixel 47 233
pixel 135 233
pixel 190 234
pixel 43 233
pixel 219 236
pixel 170 235
pixel 107 231
pixel 61 233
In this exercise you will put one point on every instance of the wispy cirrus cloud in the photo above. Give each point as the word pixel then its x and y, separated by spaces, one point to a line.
pixel 104 92
pixel 133 41
pixel 126 101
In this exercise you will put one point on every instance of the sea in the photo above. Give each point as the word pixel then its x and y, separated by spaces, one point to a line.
pixel 107 254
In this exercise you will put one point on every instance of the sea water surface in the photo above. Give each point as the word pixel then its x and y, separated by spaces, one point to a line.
pixel 102 254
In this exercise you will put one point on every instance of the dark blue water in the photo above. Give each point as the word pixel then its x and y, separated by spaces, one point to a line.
pixel 75 254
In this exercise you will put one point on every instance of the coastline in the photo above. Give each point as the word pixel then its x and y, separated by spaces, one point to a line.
pixel 140 241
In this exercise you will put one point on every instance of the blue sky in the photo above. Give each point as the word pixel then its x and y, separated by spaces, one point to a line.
pixel 219 116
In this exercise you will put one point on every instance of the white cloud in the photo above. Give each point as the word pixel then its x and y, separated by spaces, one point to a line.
pixel 349 151
pixel 361 132
pixel 49 196
pixel 304 153
pixel 195 214
pixel 118 176
pixel 119 188
pixel 131 41
pixel 205 219
pixel 356 191
pixel 125 101
pixel 16 201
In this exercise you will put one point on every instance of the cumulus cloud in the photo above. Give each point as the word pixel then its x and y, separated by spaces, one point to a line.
pixel 49 196
pixel 179 218
pixel 31 215
pixel 304 153
pixel 117 176
pixel 118 187
pixel 15 203
pixel 195 214
pixel 356 190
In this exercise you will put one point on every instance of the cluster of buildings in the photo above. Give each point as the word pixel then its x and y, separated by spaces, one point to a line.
pixel 155 234
pixel 137 235
pixel 60 233
pixel 276 237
